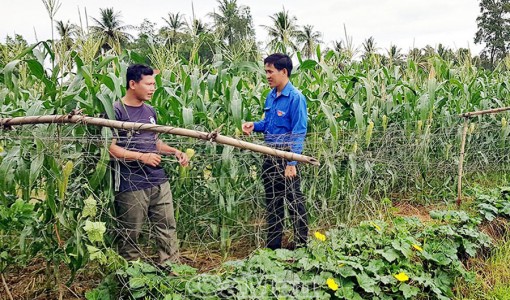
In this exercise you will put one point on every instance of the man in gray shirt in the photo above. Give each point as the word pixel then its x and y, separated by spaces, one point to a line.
pixel 141 184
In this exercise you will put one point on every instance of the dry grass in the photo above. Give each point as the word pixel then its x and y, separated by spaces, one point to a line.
pixel 32 282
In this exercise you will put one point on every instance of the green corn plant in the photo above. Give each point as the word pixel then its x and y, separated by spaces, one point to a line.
pixel 377 130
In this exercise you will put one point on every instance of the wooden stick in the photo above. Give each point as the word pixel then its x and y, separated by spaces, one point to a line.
pixel 483 112
pixel 213 136
pixel 6 287
pixel 461 161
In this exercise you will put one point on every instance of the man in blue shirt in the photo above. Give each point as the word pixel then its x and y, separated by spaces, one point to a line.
pixel 284 127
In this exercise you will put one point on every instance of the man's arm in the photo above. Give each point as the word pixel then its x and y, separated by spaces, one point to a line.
pixel 299 122
pixel 259 126
pixel 151 159
pixel 167 150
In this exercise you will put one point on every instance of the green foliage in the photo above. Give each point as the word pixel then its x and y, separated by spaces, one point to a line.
pixel 283 32
pixel 494 203
pixel 95 231
pixel 233 23
pixel 375 260
pixel 15 218
pixel 355 109
pixel 494 29
pixel 110 29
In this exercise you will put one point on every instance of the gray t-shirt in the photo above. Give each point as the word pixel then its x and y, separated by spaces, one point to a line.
pixel 135 175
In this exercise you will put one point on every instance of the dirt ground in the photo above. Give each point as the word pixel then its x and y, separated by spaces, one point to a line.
pixel 31 282
pixel 405 209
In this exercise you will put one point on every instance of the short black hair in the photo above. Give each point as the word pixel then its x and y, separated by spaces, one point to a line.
pixel 280 61
pixel 136 72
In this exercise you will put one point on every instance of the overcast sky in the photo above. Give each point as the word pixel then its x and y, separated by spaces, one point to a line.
pixel 405 23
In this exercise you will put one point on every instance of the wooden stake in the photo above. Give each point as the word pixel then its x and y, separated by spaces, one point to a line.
pixel 461 160
pixel 213 136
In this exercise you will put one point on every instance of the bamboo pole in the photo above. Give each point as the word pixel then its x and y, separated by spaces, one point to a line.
pixel 207 136
pixel 466 117
pixel 483 112
pixel 461 161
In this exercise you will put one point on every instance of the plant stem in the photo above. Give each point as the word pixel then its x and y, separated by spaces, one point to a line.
pixel 461 161
pixel 6 287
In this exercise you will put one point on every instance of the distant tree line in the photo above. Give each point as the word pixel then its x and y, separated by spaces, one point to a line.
pixel 231 33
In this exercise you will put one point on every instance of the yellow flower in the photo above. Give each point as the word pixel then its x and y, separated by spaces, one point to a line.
pixel 402 277
pixel 253 172
pixel 321 237
pixel 471 128
pixel 332 284
pixel 377 227
pixel 207 172
pixel 417 247
pixel 190 153
pixel 384 122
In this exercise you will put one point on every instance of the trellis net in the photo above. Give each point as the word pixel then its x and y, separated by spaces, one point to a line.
pixel 219 199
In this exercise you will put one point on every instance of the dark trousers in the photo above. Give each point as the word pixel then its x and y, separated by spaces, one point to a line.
pixel 278 189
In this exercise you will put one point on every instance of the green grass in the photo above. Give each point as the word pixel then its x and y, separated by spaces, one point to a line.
pixel 492 275
pixel 498 272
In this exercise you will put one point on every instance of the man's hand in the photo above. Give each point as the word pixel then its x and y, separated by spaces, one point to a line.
pixel 247 128
pixel 290 171
pixel 151 159
pixel 182 158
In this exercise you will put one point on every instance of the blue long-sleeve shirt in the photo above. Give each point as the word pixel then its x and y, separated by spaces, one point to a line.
pixel 285 120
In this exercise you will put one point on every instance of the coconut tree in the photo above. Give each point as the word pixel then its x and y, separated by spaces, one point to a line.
pixel 175 23
pixel 416 55
pixel 395 55
pixel 429 51
pixel 444 52
pixel 198 42
pixel 309 39
pixel 283 32
pixel 233 22
pixel 369 46
pixel 197 27
pixel 109 27
pixel 338 46
pixel 67 32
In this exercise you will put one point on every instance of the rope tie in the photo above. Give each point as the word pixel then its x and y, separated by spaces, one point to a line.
pixel 211 136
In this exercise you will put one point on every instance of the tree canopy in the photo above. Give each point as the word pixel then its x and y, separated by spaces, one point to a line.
pixel 494 29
